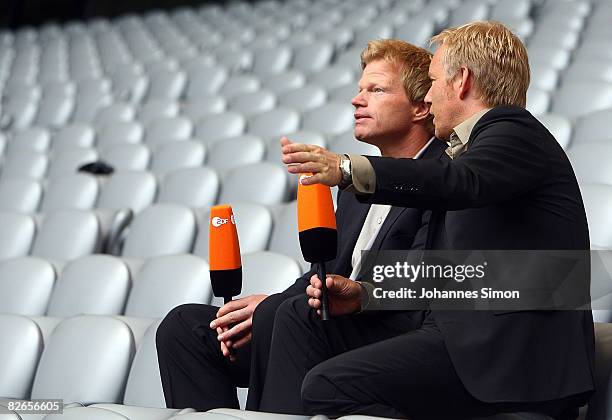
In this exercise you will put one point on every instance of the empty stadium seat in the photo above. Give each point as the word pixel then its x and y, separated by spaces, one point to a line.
pixel 180 155
pixel 20 195
pixel 76 191
pixel 161 229
pixel 285 81
pixel 235 152
pixel 68 160
pixel 134 190
pixel 73 135
pixel 191 187
pixel 269 187
pixel 168 281
pixel 20 349
pixel 346 143
pixel 34 139
pixel 94 284
pixel 86 360
pixel 284 239
pixel 594 126
pixel 592 162
pixel 17 232
pixel 329 119
pixel 66 235
pixel 220 126
pixel 274 123
pixel 127 157
pixel 157 109
pixel 577 99
pixel 26 164
pixel 559 126
pixel 120 132
pixel 313 57
pixel 26 284
pixel 253 103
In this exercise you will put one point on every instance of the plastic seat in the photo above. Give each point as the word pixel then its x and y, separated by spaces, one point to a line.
pixel 54 111
pixel 314 57
pixel 76 191
pixel 253 223
pixel 20 195
pixel 283 82
pixel 127 157
pixel 272 60
pixel 17 232
pixel 180 155
pixel 538 101
pixel 20 350
pixel 166 282
pixel 238 151
pixel 329 119
pixel 203 106
pixel 278 270
pixel 374 31
pixel 168 129
pixel 205 81
pixel 32 139
pixel 274 123
pixel 73 135
pixel 157 108
pixel 555 57
pixel 595 69
pixel 416 32
pixel 68 160
pixel 114 113
pixel 597 203
pixel 559 126
pixel 304 98
pixel 592 162
pixel 284 238
pixel 253 103
pixel 87 106
pixel 94 284
pixel 86 360
pixel 544 77
pixel 120 132
pixel 221 126
pixel 595 126
pixel 191 187
pixel 166 84
pixel 577 99
pixel 26 164
pixel 238 85
pixel 26 285
pixel 143 398
pixel 333 77
pixel 161 229
pixel 269 187
pixel 134 190
pixel 273 153
pixel 469 11
pixel 66 235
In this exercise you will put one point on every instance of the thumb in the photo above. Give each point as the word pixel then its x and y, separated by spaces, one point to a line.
pixel 334 283
pixel 284 141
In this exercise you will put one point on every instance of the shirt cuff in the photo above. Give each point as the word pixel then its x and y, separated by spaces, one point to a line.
pixel 364 177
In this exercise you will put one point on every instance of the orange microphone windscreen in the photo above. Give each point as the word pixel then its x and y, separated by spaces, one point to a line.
pixel 224 249
pixel 316 222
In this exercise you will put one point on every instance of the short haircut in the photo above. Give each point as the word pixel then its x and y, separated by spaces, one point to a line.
pixel 413 64
pixel 496 57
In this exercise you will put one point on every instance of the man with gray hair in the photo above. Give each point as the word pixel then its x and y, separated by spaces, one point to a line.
pixel 509 186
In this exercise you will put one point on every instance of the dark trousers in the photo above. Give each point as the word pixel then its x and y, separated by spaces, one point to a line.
pixel 195 373
pixel 388 364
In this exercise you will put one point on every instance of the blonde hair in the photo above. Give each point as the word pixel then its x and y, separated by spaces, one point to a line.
pixel 496 57
pixel 413 65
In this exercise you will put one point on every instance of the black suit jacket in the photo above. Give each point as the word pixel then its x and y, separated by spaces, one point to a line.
pixel 404 228
pixel 513 188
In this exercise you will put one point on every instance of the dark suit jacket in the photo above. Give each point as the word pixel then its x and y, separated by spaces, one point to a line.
pixel 513 188
pixel 397 232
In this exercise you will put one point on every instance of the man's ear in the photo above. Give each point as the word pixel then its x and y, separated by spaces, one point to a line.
pixel 420 111
pixel 464 80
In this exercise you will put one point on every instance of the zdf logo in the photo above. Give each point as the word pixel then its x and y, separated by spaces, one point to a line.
pixel 219 221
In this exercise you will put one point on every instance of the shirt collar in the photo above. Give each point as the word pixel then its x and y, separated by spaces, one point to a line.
pixel 464 130
pixel 420 152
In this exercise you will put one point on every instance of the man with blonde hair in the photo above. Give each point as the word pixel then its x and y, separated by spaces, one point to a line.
pixel 194 341
pixel 508 186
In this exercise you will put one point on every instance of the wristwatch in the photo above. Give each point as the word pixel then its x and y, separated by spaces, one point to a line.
pixel 346 171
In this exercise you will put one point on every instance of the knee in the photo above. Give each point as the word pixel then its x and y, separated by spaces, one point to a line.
pixel 182 320
pixel 263 316
pixel 292 310
pixel 319 392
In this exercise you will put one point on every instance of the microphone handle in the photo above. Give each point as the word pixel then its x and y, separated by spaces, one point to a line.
pixel 226 300
pixel 324 300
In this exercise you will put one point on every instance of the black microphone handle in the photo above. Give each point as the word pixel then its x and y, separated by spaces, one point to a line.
pixel 324 300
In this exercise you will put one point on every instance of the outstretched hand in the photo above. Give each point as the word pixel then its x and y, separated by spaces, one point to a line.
pixel 302 158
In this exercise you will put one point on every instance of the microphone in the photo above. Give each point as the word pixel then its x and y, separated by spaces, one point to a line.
pixel 317 230
pixel 224 253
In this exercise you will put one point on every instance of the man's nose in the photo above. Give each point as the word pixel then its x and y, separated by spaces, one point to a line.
pixel 427 98
pixel 358 100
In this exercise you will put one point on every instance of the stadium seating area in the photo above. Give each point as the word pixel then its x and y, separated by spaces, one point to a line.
pixel 188 107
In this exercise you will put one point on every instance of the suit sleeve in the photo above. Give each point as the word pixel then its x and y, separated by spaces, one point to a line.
pixel 504 161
